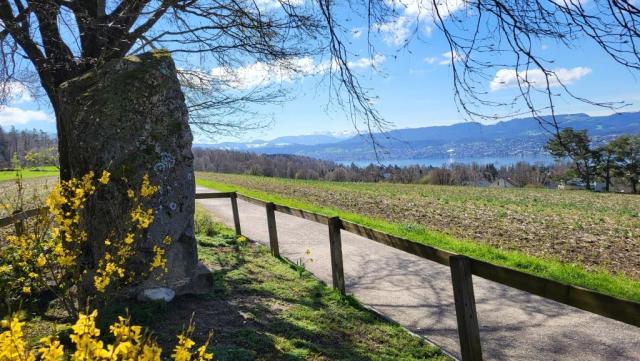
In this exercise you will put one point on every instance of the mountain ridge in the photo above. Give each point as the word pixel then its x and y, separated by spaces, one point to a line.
pixel 519 136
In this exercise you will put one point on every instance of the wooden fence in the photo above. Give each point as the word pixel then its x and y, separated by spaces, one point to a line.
pixel 462 269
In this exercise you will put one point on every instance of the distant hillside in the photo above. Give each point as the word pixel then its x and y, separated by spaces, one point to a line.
pixel 516 137
pixel 287 141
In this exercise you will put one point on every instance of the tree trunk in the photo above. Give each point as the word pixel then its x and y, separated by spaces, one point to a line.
pixel 587 175
pixel 64 138
pixel 129 117
pixel 607 176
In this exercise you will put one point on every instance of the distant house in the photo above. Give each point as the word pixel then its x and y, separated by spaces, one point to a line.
pixel 503 183
pixel 577 183
pixel 572 184
pixel 482 183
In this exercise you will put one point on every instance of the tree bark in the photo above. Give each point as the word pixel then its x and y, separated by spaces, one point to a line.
pixel 587 176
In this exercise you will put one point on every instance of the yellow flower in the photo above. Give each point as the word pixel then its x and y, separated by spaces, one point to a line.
pixel 202 353
pixel 158 259
pixel 182 351
pixel 129 238
pixel 124 332
pixel 85 325
pixel 101 282
pixel 51 349
pixel 142 218
pixel 12 345
pixel 105 177
pixel 129 344
pixel 131 193
pixel 147 190
pixel 26 290
pixel 151 352
pixel 41 261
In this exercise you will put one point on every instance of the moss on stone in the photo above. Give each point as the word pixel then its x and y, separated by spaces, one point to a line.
pixel 129 116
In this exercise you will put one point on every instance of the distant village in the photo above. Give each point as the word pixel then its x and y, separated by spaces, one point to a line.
pixel 559 175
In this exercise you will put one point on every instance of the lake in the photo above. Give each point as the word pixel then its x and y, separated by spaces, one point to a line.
pixel 438 162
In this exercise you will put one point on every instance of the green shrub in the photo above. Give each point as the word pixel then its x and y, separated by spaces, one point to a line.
pixel 204 225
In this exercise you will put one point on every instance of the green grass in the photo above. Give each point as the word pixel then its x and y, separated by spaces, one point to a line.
pixel 288 315
pixel 32 172
pixel 260 308
pixel 569 273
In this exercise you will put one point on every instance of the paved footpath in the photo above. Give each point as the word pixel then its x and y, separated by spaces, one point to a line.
pixel 417 294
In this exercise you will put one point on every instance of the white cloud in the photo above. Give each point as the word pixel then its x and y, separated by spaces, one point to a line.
pixel 424 9
pixel 397 32
pixel 17 93
pixel 508 78
pixel 14 116
pixel 196 79
pixel 364 63
pixel 430 59
pixel 356 33
pixel 445 58
pixel 450 56
pixel 262 74
pixel 265 5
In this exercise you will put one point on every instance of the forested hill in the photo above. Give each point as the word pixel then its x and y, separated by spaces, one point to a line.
pixel 300 167
pixel 470 139
pixel 41 147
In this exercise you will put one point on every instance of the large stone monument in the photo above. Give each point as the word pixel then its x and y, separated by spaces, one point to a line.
pixel 129 116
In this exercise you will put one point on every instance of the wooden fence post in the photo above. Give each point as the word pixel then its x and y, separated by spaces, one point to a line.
pixel 273 231
pixel 468 329
pixel 19 224
pixel 236 215
pixel 335 244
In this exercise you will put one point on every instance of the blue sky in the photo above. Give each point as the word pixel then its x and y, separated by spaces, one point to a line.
pixel 413 86
pixel 414 89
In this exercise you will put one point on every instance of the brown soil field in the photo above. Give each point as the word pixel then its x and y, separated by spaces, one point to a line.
pixel 597 230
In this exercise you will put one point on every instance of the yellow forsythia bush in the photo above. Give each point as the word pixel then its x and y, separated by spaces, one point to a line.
pixel 129 344
pixel 48 254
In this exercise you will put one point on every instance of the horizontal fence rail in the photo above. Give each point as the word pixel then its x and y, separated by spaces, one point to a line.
pixel 415 248
pixel 578 297
pixel 318 218
pixel 214 195
pixel 604 305
pixel 21 216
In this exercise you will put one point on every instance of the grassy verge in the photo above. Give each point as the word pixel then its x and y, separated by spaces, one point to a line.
pixel 288 315
pixel 27 173
pixel 570 273
pixel 263 308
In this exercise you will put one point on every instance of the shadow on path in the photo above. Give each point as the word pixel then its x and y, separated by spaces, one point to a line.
pixel 417 294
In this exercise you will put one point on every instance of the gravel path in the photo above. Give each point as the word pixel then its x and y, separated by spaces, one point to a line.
pixel 417 294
